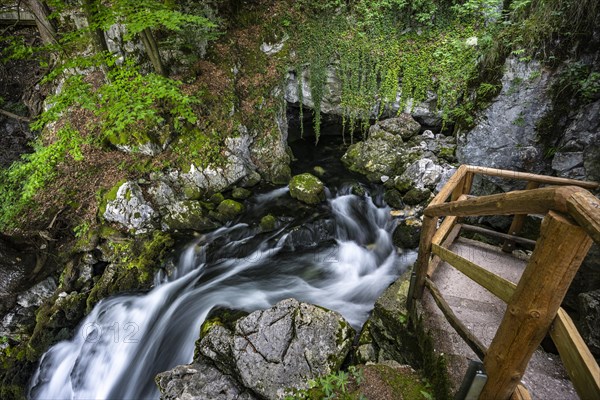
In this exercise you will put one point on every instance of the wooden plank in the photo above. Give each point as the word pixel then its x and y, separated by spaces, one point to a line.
pixel 427 231
pixel 495 284
pixel 585 209
pixel 449 187
pixel 470 339
pixel 524 176
pixel 517 223
pixel 436 260
pixel 576 357
pixel 443 230
pixel 558 254
pixel 535 201
pixel 499 235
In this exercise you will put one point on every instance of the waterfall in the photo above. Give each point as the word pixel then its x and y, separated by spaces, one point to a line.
pixel 126 340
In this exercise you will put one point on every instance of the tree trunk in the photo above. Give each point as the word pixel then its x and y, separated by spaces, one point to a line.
pixel 41 12
pixel 152 50
pixel 90 8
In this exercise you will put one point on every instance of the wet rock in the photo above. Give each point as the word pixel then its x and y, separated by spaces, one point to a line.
pixel 129 208
pixel 287 345
pixel 589 308
pixel 161 194
pixel 416 196
pixel 36 295
pixel 187 214
pixel 307 188
pixel 200 381
pixel 407 233
pixel 311 234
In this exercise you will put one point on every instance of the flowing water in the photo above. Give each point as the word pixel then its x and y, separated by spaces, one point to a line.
pixel 340 257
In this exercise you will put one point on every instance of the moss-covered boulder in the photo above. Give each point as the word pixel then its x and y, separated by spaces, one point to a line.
pixel 381 154
pixel 393 198
pixel 403 125
pixel 416 196
pixel 230 209
pixel 268 223
pixel 307 188
pixel 407 233
pixel 125 205
pixel 240 193
pixel 186 215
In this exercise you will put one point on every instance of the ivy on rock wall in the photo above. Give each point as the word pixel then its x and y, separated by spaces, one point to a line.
pixel 391 51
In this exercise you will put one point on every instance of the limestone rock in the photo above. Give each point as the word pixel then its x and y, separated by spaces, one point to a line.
pixel 307 188
pixel 130 209
pixel 506 134
pixel 287 345
pixel 383 153
pixel 186 214
pixel 426 173
pixel 404 125
pixel 200 381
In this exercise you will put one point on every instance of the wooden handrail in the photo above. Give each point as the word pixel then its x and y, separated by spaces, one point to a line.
pixel 525 176
pixel 534 201
pixel 534 303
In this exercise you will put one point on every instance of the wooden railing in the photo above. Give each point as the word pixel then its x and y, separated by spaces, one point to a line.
pixel 571 221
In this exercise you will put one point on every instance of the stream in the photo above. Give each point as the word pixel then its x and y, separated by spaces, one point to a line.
pixel 338 255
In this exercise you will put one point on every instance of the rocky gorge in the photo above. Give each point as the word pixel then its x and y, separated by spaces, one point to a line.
pixel 270 345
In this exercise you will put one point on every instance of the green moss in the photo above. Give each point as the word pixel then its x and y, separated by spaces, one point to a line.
pixel 216 198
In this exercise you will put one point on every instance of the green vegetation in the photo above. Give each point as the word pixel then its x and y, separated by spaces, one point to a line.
pixel 376 45
pixel 332 386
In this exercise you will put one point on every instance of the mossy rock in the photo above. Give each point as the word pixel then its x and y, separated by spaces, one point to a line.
pixel 230 208
pixel 319 171
pixel 307 188
pixel 240 193
pixel 406 235
pixel 110 195
pixel 393 198
pixel 358 190
pixel 403 185
pixel 187 215
pixel 416 196
pixel 216 198
pixel 268 223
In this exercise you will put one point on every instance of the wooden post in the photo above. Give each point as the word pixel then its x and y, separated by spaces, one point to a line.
pixel 427 231
pixel 561 248
pixel 517 223
pixel 463 187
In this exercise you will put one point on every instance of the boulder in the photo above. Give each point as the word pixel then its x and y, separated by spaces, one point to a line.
pixel 126 206
pixel 407 233
pixel 416 196
pixel 199 381
pixel 382 153
pixel 288 345
pixel 393 198
pixel 268 223
pixel 403 125
pixel 230 208
pixel 240 193
pixel 307 188
pixel 268 351
pixel 426 173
